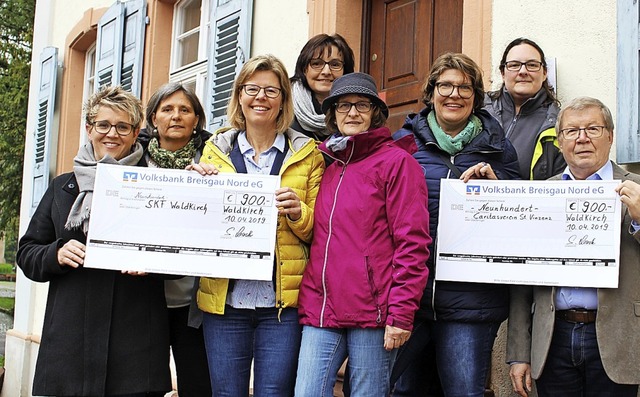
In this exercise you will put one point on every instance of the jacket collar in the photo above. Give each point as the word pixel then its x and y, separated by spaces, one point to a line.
pixel 361 145
pixel 491 138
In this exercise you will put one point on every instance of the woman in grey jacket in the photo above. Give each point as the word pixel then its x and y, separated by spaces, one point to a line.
pixel 526 107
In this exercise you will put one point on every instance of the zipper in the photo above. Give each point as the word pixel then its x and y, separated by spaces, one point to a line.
pixel 330 233
pixel 373 288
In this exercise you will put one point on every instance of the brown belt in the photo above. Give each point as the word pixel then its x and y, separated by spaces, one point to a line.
pixel 577 315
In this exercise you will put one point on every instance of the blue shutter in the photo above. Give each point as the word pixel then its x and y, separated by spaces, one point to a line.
pixel 44 121
pixel 230 30
pixel 109 46
pixel 133 46
pixel 628 83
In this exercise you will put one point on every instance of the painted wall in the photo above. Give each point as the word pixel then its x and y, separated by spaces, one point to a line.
pixel 281 28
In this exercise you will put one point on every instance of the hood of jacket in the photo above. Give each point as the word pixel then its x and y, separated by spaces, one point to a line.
pixel 361 145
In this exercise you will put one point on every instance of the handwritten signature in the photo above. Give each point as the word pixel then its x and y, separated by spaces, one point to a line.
pixel 242 232
pixel 584 240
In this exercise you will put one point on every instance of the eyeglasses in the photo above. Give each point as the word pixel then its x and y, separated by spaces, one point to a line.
pixel 592 132
pixel 103 127
pixel 254 90
pixel 345 107
pixel 465 91
pixel 318 64
pixel 514 66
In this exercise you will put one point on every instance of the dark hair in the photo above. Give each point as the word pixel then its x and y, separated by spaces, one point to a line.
pixel 163 93
pixel 315 47
pixel 455 61
pixel 377 118
pixel 551 95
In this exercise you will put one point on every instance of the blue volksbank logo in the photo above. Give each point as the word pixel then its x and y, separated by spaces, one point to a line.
pixel 473 189
pixel 130 176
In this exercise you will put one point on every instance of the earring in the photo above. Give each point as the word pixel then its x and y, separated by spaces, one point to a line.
pixel 194 131
pixel 155 130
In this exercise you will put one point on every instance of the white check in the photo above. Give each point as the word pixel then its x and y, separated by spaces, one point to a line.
pixel 180 222
pixel 556 233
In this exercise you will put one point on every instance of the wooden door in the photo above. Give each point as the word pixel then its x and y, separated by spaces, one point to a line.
pixel 404 37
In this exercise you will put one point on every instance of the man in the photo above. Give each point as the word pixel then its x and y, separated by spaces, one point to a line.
pixel 583 341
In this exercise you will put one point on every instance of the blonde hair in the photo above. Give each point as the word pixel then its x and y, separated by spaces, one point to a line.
pixel 261 63
pixel 116 98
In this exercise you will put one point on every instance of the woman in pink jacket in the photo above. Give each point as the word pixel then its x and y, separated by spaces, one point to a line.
pixel 367 271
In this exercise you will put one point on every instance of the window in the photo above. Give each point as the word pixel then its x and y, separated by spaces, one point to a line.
pixel 190 43
pixel 89 86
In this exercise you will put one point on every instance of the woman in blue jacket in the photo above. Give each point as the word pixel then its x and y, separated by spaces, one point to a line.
pixel 456 139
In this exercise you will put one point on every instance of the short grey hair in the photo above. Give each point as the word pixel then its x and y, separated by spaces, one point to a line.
pixel 584 102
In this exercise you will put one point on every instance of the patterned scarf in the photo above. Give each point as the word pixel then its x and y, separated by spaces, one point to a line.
pixel 168 159
pixel 85 170
pixel 306 114
pixel 453 145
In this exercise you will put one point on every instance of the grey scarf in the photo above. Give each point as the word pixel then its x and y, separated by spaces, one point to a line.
pixel 306 114
pixel 84 167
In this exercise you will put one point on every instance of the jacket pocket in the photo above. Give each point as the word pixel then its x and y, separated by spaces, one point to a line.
pixel 375 292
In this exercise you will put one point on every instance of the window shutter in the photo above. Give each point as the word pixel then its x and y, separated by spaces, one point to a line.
pixel 109 46
pixel 133 47
pixel 628 83
pixel 230 30
pixel 44 121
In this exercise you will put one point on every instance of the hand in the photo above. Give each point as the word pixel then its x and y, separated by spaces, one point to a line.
pixel 133 273
pixel 288 203
pixel 520 374
pixel 478 171
pixel 71 254
pixel 395 337
pixel 629 192
pixel 202 168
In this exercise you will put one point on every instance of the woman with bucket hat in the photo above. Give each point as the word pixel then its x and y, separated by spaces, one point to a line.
pixel 366 272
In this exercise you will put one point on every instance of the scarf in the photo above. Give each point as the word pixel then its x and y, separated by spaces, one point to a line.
pixel 167 159
pixel 453 145
pixel 84 168
pixel 337 142
pixel 306 114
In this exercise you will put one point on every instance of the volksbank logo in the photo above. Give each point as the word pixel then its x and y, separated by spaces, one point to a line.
pixel 473 189
pixel 130 176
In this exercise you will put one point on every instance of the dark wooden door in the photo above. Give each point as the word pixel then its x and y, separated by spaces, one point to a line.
pixel 404 37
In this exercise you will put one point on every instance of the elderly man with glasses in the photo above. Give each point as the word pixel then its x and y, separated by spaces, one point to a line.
pixel 583 341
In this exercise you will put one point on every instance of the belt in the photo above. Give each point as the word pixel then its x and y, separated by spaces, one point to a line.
pixel 577 315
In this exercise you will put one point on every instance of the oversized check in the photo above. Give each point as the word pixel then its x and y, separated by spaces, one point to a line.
pixel 180 222
pixel 557 233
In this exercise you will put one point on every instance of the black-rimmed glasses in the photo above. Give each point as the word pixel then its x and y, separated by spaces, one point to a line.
pixel 531 66
pixel 345 107
pixel 318 64
pixel 254 90
pixel 465 91
pixel 103 127
pixel 592 132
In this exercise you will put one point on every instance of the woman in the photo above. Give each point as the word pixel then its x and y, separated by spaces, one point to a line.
pixel 456 138
pixel 174 139
pixel 367 267
pixel 248 319
pixel 105 333
pixel 322 60
pixel 527 108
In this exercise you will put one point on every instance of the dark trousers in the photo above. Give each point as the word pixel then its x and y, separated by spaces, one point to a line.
pixel 574 368
pixel 189 354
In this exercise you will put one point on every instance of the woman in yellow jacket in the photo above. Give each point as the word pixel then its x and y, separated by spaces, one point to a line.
pixel 248 319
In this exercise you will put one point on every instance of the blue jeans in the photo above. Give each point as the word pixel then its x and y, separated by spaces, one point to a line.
pixel 323 351
pixel 463 358
pixel 234 339
pixel 574 368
